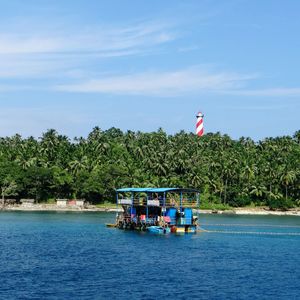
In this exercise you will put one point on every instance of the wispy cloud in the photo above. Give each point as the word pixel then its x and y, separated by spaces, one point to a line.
pixel 188 48
pixel 270 92
pixel 13 88
pixel 91 40
pixel 32 66
pixel 67 58
pixel 175 83
pixel 18 44
pixel 38 119
pixel 27 55
pixel 161 83
pixel 257 107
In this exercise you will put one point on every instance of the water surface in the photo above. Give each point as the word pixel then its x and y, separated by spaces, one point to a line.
pixel 48 255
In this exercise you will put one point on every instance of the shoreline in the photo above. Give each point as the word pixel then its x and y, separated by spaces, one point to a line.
pixel 91 208
pixel 253 212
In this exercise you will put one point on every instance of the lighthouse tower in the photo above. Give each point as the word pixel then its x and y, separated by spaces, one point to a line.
pixel 199 124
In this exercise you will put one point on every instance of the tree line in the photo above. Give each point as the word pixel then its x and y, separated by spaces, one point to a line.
pixel 226 171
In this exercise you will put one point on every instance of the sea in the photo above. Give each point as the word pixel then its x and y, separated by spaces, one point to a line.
pixel 73 255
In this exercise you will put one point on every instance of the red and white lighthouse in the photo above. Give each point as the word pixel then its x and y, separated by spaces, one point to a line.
pixel 199 124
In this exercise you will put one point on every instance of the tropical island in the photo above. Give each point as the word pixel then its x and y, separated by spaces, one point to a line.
pixel 229 173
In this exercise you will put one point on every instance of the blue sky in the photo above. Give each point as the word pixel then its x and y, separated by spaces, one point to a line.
pixel 136 64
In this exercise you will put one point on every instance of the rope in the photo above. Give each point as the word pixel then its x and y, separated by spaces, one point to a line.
pixel 255 225
pixel 250 232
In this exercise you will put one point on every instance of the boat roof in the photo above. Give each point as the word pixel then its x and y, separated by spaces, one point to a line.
pixel 157 190
pixel 140 190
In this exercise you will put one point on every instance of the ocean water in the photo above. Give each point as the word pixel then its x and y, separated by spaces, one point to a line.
pixel 46 255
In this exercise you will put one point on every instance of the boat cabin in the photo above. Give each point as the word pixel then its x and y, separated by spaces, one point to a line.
pixel 167 207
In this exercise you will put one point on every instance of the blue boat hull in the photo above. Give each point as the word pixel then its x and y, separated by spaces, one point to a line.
pixel 159 230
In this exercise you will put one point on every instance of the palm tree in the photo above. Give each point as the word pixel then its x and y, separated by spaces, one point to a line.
pixel 78 165
pixel 288 177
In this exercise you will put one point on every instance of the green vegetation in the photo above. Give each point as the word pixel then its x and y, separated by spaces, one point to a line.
pixel 228 172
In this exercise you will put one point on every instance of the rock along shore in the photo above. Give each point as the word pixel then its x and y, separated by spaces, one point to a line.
pixel 91 208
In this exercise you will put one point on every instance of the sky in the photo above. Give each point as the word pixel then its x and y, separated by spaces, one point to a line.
pixel 140 65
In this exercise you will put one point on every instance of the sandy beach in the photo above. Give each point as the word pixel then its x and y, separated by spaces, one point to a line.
pixel 254 211
pixel 92 208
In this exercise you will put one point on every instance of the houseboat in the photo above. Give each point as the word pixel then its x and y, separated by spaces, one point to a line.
pixel 158 210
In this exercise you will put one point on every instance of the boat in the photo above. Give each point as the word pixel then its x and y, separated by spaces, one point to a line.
pixel 159 230
pixel 155 209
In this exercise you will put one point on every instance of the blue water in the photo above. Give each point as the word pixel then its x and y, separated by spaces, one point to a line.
pixel 74 256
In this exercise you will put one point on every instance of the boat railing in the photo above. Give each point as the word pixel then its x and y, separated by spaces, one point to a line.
pixel 143 221
pixel 158 202
pixel 172 220
pixel 189 203
pixel 154 202
pixel 150 221
pixel 127 218
pixel 185 221
pixel 125 201
pixel 184 203
pixel 140 202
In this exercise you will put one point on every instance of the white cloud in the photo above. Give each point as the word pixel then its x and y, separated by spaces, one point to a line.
pixel 161 83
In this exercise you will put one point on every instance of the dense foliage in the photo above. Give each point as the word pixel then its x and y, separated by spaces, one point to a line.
pixel 226 171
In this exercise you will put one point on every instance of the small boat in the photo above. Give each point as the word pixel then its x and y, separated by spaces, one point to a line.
pixel 159 230
pixel 111 225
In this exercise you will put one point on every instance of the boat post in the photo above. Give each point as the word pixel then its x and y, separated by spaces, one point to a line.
pixel 198 207
pixel 117 202
pixel 147 210
pixel 180 201
pixel 164 212
pixel 131 208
